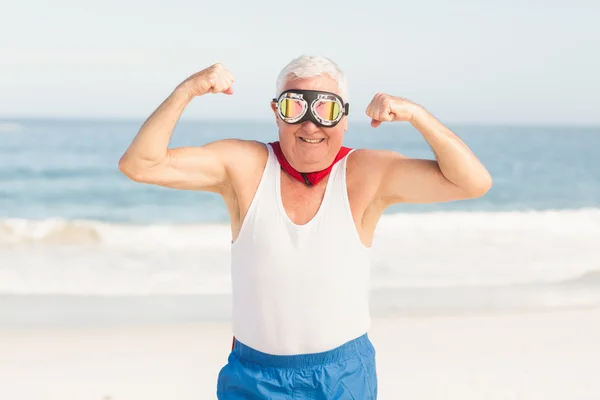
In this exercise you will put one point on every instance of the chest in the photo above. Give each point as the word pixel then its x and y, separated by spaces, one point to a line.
pixel 301 202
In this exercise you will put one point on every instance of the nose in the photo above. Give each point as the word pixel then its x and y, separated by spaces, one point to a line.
pixel 310 127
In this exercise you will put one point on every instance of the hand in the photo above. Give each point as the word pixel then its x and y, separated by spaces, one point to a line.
pixel 214 79
pixel 384 107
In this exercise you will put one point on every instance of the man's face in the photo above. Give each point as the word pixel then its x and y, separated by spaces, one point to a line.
pixel 294 139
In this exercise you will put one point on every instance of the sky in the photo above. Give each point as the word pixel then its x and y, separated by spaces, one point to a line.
pixel 501 62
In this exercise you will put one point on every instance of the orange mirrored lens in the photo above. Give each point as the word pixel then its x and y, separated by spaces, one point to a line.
pixel 328 110
pixel 290 108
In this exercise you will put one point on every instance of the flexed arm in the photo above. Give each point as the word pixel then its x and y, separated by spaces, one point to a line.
pixel 149 159
pixel 455 174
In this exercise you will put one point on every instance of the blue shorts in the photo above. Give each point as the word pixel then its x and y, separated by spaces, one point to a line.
pixel 346 372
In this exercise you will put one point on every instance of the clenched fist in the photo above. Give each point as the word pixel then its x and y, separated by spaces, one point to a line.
pixel 214 79
pixel 384 107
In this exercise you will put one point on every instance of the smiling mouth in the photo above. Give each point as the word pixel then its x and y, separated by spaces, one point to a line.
pixel 312 141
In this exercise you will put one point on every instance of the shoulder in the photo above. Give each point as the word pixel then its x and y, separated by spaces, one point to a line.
pixel 367 172
pixel 372 163
pixel 246 160
pixel 240 154
pixel 241 146
pixel 252 151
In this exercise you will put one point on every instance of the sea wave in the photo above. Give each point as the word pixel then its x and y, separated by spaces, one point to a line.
pixel 83 232
pixel 582 222
pixel 410 251
pixel 587 278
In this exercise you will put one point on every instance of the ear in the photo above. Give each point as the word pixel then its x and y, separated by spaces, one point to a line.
pixel 275 112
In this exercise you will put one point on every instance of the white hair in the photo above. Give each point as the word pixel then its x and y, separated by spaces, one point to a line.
pixel 311 67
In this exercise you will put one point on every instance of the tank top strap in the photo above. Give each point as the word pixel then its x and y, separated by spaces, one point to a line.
pixel 271 160
pixel 338 176
pixel 272 170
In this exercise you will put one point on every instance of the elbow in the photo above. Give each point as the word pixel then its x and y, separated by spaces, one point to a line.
pixel 478 188
pixel 130 168
pixel 140 169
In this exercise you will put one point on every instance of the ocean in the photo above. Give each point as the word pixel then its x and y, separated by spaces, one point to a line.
pixel 80 244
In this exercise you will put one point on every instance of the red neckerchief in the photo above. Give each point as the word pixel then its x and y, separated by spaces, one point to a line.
pixel 310 178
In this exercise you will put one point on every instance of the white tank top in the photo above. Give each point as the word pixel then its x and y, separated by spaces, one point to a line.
pixel 299 289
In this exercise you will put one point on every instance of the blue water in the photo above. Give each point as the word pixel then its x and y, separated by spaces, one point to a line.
pixel 68 168
pixel 141 240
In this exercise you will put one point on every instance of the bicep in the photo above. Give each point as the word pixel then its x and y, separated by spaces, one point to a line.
pixel 203 168
pixel 410 180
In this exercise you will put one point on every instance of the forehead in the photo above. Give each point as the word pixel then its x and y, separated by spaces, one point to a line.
pixel 324 83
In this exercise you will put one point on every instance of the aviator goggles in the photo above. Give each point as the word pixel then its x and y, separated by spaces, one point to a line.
pixel 325 109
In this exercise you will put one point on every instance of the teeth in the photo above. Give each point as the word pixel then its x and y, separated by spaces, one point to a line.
pixel 314 141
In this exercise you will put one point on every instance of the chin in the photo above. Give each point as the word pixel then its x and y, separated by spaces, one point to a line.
pixel 312 156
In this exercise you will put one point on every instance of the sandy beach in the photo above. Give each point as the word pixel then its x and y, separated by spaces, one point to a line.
pixel 541 355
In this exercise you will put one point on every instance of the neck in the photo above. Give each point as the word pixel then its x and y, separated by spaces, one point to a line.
pixel 309 178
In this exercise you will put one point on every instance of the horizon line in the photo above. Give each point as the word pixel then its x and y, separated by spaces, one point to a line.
pixel 8 118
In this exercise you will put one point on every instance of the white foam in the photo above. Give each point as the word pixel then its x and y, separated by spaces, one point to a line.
pixel 411 250
pixel 59 231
